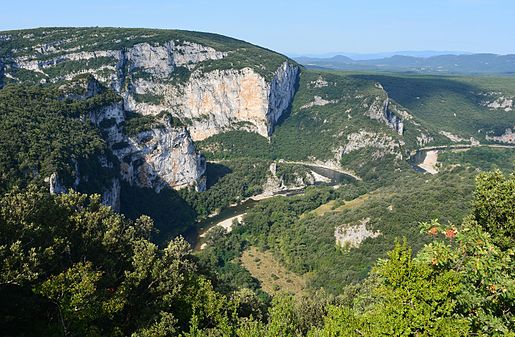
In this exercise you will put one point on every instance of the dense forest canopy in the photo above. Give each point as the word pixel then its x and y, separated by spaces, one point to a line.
pixel 72 267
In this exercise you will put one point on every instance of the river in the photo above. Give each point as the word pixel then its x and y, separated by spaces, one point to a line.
pixel 195 234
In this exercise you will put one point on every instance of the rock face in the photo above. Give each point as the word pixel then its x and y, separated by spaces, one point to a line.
pixel 111 195
pixel 381 144
pixel 207 86
pixel 351 236
pixel 220 100
pixel 318 101
pixel 380 110
pixel 497 101
pixel 155 158
pixel 56 185
pixel 164 157
pixel 176 77
pixel 507 137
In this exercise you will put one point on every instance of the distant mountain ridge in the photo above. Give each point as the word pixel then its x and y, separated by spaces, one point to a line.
pixel 438 64
pixel 379 55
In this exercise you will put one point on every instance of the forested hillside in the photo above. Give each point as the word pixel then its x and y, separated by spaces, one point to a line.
pixel 72 267
pixel 175 183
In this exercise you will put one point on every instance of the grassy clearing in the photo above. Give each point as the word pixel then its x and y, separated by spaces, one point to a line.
pixel 334 206
pixel 273 276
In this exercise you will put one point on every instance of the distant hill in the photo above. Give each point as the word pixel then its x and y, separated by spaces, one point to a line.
pixel 439 64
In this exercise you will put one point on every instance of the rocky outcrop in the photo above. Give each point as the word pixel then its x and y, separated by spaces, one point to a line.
pixel 381 144
pixel 111 195
pixel 159 157
pixel 393 121
pixel 507 137
pixel 56 185
pixel 351 236
pixel 280 93
pixel 497 101
pixel 156 77
pixel 379 110
pixel 302 177
pixel 220 100
pixel 164 157
pixel 424 139
pixel 320 82
pixel 319 101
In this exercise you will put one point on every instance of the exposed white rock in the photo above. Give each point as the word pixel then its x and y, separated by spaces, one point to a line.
pixel 318 101
pixel 383 144
pixel 157 60
pixel 379 110
pixel 507 137
pixel 351 236
pixel 452 137
pixel 56 185
pixel 319 83
pixel 219 100
pixel 164 156
pixel 189 53
pixel 424 139
pixel 500 103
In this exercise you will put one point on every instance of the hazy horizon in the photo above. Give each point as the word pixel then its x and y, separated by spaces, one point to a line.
pixel 297 27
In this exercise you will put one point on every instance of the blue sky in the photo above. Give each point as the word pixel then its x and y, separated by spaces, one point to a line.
pixel 296 27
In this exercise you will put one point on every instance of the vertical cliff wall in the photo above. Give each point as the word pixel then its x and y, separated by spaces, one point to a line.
pixel 194 85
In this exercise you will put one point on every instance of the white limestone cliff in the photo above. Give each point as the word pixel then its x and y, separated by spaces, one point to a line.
pixel 220 100
pixel 211 102
pixel 168 77
pixel 379 110
pixel 162 156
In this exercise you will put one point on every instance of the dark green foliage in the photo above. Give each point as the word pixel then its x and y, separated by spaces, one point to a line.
pixel 136 123
pixel 79 269
pixel 42 133
pixel 148 98
pixel 235 144
pixel 172 215
pixel 452 104
pixel 290 173
pixel 70 67
pixel 237 180
pixel 494 207
pixel 72 267
pixel 483 158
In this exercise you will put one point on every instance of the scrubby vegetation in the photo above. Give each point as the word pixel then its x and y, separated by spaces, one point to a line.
pixel 483 158
pixel 42 133
pixel 305 241
pixel 23 42
pixel 72 267
pixel 452 104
